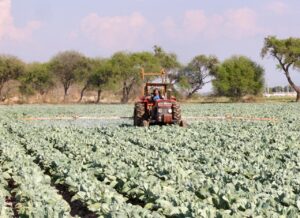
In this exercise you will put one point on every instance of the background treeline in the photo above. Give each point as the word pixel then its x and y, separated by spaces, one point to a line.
pixel 119 76
pixel 72 77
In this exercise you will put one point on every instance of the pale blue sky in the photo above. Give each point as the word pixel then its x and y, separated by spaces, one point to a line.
pixel 35 30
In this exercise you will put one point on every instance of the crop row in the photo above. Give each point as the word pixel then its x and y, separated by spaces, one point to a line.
pixel 212 168
pixel 99 197
pixel 29 189
pixel 165 176
pixel 153 190
pixel 213 178
pixel 5 208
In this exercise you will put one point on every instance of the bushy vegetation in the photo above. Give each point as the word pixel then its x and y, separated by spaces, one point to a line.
pixel 238 76
pixel 235 77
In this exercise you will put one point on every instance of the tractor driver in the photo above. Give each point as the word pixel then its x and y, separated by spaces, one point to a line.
pixel 156 95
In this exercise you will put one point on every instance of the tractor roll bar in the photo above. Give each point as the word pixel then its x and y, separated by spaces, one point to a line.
pixel 162 74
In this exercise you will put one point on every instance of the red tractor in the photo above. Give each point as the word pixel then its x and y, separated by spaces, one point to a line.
pixel 157 111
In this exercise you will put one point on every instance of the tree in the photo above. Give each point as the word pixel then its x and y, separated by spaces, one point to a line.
pixel 127 67
pixel 287 53
pixel 122 66
pixel 37 77
pixel 169 62
pixel 238 76
pixel 197 73
pixel 10 68
pixel 102 77
pixel 82 77
pixel 67 65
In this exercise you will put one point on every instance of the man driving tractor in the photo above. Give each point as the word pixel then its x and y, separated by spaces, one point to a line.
pixel 153 108
pixel 156 95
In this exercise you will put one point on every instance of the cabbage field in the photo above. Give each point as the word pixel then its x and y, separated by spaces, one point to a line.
pixel 229 167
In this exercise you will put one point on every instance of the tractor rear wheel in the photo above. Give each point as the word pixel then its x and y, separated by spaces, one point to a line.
pixel 139 114
pixel 177 115
pixel 176 112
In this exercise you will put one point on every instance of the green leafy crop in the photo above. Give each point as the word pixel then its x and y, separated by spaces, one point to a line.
pixel 213 168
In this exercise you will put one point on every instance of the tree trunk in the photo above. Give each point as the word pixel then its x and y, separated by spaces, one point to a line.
pixel 127 88
pixel 293 85
pixel 82 93
pixel 190 94
pixel 1 87
pixel 65 92
pixel 98 96
pixel 193 91
pixel 125 96
pixel 67 85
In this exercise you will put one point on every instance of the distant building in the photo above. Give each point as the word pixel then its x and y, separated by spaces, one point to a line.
pixel 280 94
pixel 280 91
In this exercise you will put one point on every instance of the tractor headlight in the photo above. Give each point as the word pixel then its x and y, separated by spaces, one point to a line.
pixel 160 110
pixel 170 111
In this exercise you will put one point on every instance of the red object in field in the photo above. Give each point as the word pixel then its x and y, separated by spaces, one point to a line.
pixel 164 110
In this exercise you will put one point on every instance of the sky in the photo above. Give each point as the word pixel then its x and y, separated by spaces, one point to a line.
pixel 36 30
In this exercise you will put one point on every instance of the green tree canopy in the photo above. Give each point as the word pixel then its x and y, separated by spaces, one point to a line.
pixel 238 76
pixel 287 53
pixel 127 67
pixel 169 62
pixel 67 66
pixel 10 68
pixel 37 78
pixel 82 77
pixel 197 73
pixel 102 77
pixel 122 66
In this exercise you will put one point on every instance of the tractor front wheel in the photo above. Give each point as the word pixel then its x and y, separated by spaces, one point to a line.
pixel 139 114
